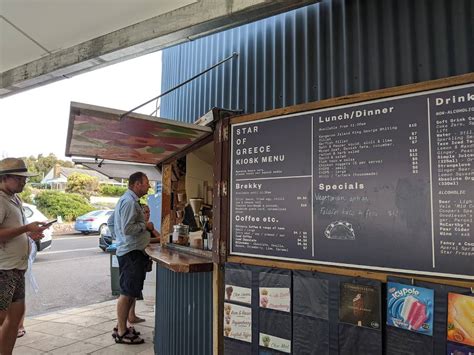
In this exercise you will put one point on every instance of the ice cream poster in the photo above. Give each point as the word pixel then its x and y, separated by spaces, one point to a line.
pixel 461 318
pixel 360 305
pixel 238 294
pixel 273 342
pixel 456 349
pixel 277 298
pixel 238 322
pixel 410 307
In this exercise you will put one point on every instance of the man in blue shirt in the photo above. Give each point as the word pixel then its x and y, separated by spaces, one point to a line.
pixel 132 236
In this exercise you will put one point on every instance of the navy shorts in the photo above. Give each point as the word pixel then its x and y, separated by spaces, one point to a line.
pixel 132 269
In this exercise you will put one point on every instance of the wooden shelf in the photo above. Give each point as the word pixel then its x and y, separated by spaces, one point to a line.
pixel 178 260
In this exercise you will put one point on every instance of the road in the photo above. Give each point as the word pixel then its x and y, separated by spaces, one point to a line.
pixel 73 272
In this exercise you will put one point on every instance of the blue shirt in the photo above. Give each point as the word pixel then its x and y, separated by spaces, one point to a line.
pixel 129 224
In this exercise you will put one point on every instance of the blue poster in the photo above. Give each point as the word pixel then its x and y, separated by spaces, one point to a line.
pixel 410 307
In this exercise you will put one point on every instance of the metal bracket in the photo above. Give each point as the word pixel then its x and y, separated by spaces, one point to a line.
pixel 222 189
pixel 224 134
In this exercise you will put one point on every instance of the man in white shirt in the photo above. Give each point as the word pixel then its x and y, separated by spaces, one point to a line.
pixel 14 249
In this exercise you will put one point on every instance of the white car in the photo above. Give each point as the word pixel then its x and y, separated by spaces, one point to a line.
pixel 32 214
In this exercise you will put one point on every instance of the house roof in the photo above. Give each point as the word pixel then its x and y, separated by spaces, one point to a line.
pixel 101 177
pixel 119 169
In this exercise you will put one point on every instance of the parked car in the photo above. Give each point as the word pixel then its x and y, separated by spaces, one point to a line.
pixel 105 238
pixel 32 214
pixel 92 222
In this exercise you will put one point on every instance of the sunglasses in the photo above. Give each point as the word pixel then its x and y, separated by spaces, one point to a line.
pixel 18 177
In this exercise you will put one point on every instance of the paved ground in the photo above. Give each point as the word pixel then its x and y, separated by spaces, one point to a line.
pixel 73 272
pixel 83 330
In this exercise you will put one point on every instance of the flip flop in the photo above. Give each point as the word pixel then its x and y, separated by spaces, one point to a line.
pixel 128 338
pixel 20 333
pixel 139 320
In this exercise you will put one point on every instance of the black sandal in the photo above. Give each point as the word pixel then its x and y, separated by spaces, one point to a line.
pixel 131 328
pixel 128 338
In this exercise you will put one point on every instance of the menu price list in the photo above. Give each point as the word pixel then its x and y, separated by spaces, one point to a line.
pixel 452 115
pixel 272 217
pixel 271 187
pixel 371 185
pixel 391 185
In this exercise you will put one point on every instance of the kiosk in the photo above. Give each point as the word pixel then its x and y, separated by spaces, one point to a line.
pixel 339 226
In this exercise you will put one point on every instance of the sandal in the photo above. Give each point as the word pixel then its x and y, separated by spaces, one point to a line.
pixel 20 333
pixel 131 328
pixel 128 338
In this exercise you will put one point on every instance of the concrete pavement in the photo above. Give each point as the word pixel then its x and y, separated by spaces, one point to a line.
pixel 84 330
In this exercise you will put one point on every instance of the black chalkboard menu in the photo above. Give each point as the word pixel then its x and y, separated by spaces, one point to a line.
pixel 385 184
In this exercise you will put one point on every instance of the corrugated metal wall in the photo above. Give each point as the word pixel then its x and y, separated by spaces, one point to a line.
pixel 325 50
pixel 183 322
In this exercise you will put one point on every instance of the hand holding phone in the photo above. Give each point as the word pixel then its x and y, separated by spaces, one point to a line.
pixel 49 223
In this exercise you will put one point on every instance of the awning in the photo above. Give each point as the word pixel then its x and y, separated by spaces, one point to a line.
pixel 97 132
pixel 120 170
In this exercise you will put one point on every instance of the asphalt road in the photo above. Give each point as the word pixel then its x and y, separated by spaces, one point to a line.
pixel 73 272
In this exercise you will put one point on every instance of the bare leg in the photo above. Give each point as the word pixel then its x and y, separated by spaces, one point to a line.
pixel 3 316
pixel 131 315
pixel 10 325
pixel 124 304
pixel 21 327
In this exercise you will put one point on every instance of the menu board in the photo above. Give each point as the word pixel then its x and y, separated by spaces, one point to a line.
pixel 385 184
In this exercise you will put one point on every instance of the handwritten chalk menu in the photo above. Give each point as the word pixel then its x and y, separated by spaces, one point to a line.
pixel 385 184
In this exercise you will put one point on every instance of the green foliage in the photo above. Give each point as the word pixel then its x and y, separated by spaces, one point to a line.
pixel 111 190
pixel 69 206
pixel 40 186
pixel 82 184
pixel 43 164
pixel 27 194
pixel 144 199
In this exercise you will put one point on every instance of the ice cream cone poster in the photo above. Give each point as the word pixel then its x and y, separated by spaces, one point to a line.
pixel 461 318
pixel 238 322
pixel 273 342
pixel 410 307
pixel 277 298
pixel 360 305
pixel 238 294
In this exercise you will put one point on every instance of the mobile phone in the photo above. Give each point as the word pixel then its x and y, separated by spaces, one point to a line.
pixel 49 223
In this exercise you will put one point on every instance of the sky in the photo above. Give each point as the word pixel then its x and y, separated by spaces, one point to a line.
pixel 36 121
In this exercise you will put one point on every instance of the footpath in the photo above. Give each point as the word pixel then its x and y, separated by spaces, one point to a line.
pixel 84 330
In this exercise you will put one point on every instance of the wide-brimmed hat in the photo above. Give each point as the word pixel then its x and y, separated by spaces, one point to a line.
pixel 14 166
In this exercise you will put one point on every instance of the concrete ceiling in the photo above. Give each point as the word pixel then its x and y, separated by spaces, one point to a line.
pixel 33 29
pixel 42 41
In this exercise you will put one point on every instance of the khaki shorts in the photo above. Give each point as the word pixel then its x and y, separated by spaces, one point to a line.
pixel 12 287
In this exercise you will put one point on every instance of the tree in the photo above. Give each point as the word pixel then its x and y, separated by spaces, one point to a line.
pixel 82 184
pixel 27 194
pixel 111 190
pixel 68 206
pixel 43 164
